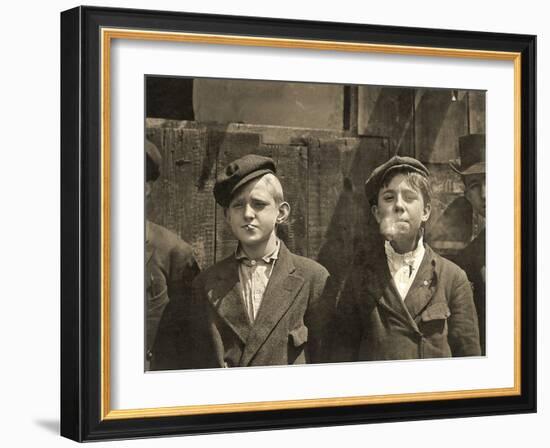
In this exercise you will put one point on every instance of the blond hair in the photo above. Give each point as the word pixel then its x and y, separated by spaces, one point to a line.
pixel 274 186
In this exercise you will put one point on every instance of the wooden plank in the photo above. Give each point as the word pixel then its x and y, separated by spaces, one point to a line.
pixel 476 103
pixel 388 112
pixel 291 162
pixel 269 134
pixel 339 213
pixel 439 121
pixel 182 198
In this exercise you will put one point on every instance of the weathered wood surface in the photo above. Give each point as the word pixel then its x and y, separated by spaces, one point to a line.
pixel 322 170
pixel 322 179
pixel 388 112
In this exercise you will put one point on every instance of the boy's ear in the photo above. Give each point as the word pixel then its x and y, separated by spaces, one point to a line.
pixel 374 211
pixel 426 212
pixel 284 212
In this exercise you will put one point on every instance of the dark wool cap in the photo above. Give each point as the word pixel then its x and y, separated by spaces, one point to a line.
pixel 153 161
pixel 238 173
pixel 374 182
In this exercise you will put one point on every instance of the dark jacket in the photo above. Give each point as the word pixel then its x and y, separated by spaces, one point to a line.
pixel 170 268
pixel 472 260
pixel 437 319
pixel 287 330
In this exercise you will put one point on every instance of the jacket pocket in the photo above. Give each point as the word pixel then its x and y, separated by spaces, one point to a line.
pixel 437 311
pixel 433 323
pixel 298 336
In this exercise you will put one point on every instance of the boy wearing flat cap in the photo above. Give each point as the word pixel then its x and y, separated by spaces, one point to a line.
pixel 402 300
pixel 261 305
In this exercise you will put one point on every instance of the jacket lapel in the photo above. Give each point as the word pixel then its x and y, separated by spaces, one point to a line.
pixel 227 301
pixel 422 289
pixel 282 288
pixel 379 284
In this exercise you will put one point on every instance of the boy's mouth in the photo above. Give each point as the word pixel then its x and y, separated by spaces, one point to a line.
pixel 249 227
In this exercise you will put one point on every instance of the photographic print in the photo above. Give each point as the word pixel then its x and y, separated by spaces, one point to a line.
pixel 300 223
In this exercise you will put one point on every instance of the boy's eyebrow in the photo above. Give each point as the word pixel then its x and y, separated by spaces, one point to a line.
pixel 393 190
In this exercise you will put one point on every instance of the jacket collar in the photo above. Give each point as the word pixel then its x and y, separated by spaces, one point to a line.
pixel 423 286
pixel 378 284
pixel 226 298
pixel 282 289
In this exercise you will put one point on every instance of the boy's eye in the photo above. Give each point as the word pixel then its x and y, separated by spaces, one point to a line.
pixel 387 197
pixel 410 196
pixel 236 204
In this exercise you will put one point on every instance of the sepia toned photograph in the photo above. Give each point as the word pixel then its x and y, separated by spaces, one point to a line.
pixel 302 223
pixel 252 202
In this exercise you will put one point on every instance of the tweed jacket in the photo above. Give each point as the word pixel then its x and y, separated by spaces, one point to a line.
pixel 288 328
pixel 170 268
pixel 437 319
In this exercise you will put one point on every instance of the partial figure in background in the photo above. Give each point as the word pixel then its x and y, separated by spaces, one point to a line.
pixel 472 257
pixel 402 300
pixel 460 230
pixel 170 268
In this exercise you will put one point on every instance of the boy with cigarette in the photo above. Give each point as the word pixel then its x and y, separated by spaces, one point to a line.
pixel 262 305
pixel 402 300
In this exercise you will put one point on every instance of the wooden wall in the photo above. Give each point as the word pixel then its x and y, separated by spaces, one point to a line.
pixel 322 170
pixel 322 174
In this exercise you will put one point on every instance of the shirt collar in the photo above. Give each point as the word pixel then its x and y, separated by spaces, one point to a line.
pixel 412 258
pixel 241 256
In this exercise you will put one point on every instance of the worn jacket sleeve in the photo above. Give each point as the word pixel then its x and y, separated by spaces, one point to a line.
pixel 171 344
pixel 463 325
pixel 204 347
pixel 318 318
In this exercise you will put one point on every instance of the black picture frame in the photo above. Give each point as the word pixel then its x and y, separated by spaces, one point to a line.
pixel 82 409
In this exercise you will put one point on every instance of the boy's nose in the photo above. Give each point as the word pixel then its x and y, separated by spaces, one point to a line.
pixel 248 211
pixel 399 205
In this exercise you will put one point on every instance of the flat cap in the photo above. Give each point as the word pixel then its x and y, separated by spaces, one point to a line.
pixel 374 182
pixel 239 172
pixel 153 161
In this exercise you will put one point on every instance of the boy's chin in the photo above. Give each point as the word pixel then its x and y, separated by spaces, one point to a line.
pixel 400 232
pixel 251 241
pixel 404 236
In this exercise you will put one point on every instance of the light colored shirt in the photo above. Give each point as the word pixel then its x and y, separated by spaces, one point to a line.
pixel 404 267
pixel 254 276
